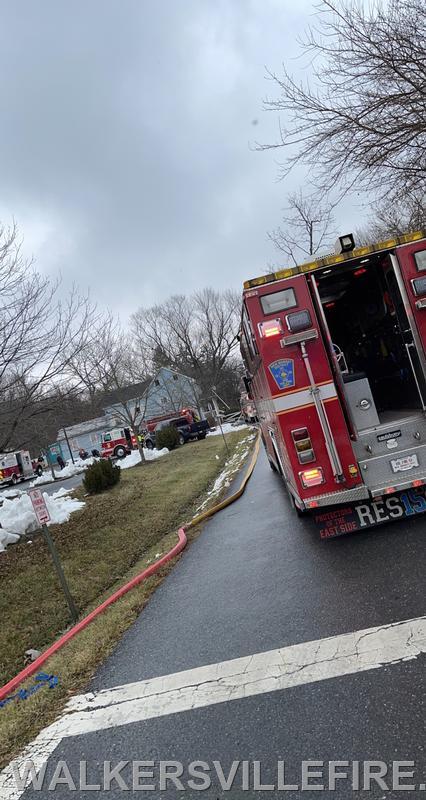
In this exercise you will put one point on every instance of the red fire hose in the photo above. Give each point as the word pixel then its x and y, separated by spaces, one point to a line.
pixel 35 665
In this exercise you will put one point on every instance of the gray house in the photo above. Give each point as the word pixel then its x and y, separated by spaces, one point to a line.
pixel 168 391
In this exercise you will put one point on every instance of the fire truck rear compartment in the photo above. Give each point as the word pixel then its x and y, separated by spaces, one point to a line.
pixel 370 332
pixel 381 386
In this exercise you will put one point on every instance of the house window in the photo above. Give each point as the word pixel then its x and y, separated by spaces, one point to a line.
pixel 175 377
pixel 156 382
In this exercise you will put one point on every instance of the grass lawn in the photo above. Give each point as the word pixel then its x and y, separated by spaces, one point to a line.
pixel 114 537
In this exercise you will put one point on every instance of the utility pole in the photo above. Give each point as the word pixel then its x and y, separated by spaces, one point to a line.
pixel 217 414
pixel 69 446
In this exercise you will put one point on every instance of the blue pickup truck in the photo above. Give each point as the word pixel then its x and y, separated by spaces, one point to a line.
pixel 187 430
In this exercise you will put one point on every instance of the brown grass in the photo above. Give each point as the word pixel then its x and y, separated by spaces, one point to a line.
pixel 114 537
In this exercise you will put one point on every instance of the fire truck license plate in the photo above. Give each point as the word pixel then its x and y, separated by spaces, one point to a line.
pixel 368 513
pixel 403 464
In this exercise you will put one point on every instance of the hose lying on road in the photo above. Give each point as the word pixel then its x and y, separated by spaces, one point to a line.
pixel 35 665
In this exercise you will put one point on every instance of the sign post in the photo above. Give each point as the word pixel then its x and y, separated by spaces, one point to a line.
pixel 43 516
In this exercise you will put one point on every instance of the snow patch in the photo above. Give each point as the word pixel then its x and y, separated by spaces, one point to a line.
pixel 232 466
pixel 68 471
pixel 227 427
pixel 17 516
pixel 7 538
pixel 11 493
pixel 135 457
pixel 45 478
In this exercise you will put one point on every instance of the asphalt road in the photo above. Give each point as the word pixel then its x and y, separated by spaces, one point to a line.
pixel 50 488
pixel 257 579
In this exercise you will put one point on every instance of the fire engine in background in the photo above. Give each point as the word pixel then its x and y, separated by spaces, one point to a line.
pixel 335 358
pixel 119 442
pixel 18 466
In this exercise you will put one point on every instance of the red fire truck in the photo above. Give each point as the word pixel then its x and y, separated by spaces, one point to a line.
pixel 335 358
pixel 118 443
pixel 18 466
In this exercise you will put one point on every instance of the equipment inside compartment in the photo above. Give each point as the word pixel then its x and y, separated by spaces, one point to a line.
pixel 370 332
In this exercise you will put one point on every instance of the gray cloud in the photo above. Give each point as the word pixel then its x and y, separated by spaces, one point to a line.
pixel 125 139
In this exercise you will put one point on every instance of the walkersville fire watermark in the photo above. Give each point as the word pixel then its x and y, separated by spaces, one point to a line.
pixel 199 775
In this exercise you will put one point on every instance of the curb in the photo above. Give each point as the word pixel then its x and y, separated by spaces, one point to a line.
pixel 181 544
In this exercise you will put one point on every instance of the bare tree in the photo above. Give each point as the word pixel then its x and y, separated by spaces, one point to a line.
pixel 307 228
pixel 195 335
pixel 110 367
pixel 96 366
pixel 361 117
pixel 39 334
pixel 394 218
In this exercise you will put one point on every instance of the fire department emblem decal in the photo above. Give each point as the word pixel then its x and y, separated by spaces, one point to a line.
pixel 282 372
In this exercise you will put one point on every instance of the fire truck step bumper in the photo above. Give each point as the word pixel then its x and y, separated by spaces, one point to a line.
pixel 336 498
pixel 415 481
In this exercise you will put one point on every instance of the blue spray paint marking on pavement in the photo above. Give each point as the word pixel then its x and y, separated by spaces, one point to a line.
pixel 42 679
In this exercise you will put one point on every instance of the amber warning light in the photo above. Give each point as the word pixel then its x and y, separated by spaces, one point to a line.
pixel 272 327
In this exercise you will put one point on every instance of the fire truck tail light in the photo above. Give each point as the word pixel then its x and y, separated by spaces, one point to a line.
pixel 311 477
pixel 303 445
pixel 299 434
pixel 273 327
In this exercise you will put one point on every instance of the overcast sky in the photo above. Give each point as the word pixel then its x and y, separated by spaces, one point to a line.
pixel 127 140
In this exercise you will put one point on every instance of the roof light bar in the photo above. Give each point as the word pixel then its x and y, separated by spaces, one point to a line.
pixel 331 260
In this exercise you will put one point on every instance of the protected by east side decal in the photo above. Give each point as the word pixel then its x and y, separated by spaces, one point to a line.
pixel 282 372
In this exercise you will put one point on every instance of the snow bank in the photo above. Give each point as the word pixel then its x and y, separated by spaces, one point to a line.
pixel 135 458
pixel 71 469
pixel 45 478
pixel 80 466
pixel 11 493
pixel 231 468
pixel 68 471
pixel 17 516
pixel 7 538
pixel 228 428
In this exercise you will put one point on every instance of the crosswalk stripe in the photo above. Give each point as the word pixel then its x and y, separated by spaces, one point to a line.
pixel 280 669
pixel 274 670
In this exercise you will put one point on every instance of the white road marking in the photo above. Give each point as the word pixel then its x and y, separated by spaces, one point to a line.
pixel 280 669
